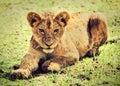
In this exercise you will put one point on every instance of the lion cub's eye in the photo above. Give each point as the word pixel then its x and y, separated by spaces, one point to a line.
pixel 56 31
pixel 42 31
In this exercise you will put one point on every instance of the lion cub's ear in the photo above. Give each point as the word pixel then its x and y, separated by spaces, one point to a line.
pixel 33 19
pixel 63 17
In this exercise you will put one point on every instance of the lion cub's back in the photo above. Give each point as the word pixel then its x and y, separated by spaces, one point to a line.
pixel 77 30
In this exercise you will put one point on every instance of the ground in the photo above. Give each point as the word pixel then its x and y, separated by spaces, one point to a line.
pixel 15 34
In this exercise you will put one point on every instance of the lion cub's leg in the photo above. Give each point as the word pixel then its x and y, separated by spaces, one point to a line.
pixel 55 64
pixel 28 64
pixel 64 57
pixel 97 28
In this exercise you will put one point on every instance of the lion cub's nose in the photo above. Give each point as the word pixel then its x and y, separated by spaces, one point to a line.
pixel 48 43
pixel 48 40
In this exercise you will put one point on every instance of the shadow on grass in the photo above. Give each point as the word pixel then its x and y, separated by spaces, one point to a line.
pixel 5 75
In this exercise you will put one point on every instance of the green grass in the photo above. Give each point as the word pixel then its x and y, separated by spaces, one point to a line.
pixel 15 34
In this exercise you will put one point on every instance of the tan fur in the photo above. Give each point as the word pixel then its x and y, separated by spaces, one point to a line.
pixel 54 66
pixel 61 40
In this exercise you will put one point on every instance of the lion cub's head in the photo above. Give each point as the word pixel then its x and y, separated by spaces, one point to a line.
pixel 48 29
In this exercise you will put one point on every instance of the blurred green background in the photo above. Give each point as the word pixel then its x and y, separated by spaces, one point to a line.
pixel 15 34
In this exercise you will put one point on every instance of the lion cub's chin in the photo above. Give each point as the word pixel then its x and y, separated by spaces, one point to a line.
pixel 48 50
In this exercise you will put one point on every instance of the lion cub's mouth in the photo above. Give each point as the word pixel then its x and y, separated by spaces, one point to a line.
pixel 48 50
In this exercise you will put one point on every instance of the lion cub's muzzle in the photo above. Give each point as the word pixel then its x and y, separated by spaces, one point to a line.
pixel 50 47
pixel 48 44
pixel 49 41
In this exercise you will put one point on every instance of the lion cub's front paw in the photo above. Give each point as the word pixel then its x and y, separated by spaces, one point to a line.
pixel 51 66
pixel 20 74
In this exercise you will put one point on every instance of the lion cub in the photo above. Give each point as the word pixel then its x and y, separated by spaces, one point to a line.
pixel 61 40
